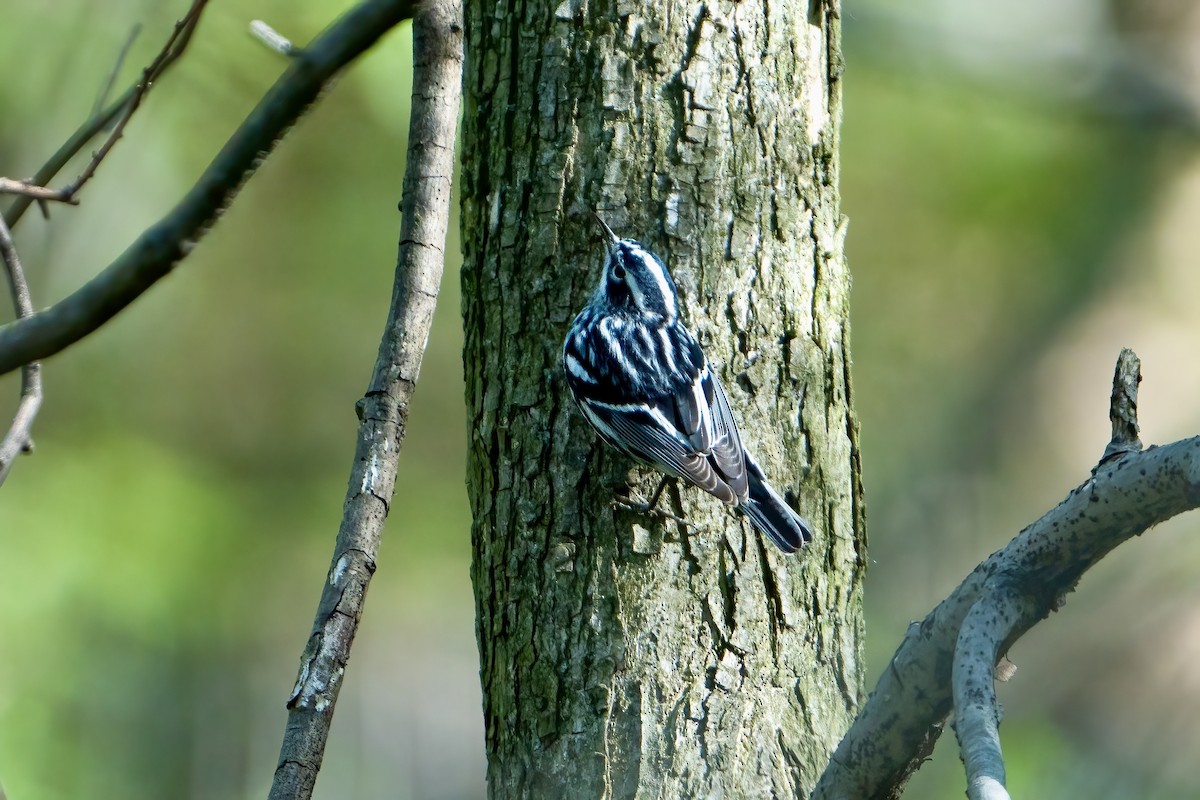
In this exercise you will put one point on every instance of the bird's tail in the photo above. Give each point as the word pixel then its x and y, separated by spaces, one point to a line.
pixel 771 515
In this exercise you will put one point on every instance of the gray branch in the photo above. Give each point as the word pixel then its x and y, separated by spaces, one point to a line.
pixel 1128 493
pixel 383 411
pixel 1003 610
pixel 987 626
pixel 18 439
pixel 166 243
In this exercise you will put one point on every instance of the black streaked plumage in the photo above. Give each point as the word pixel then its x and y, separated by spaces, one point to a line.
pixel 644 384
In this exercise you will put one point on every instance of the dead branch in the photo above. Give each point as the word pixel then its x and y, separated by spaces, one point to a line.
pixel 18 439
pixel 121 111
pixel 383 411
pixel 34 191
pixel 163 245
pixel 1130 491
pixel 985 630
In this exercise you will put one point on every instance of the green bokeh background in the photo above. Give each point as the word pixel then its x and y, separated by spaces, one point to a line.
pixel 163 548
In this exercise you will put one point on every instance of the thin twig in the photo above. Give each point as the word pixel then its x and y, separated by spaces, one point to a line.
pixel 34 191
pixel 18 439
pixel 183 30
pixel 163 245
pixel 180 37
pixel 1124 497
pixel 383 411
pixel 115 72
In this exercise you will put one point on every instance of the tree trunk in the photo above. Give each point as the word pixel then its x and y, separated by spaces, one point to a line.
pixel 623 655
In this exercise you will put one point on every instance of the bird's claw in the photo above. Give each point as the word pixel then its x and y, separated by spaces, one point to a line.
pixel 648 510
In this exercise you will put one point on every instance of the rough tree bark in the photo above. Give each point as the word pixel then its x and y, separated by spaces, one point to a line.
pixel 621 654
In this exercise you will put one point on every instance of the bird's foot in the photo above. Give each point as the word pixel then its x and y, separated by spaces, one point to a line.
pixel 650 508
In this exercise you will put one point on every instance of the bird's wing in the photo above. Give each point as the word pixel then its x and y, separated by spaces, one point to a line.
pixel 728 456
pixel 690 406
pixel 646 433
pixel 655 398
pixel 703 420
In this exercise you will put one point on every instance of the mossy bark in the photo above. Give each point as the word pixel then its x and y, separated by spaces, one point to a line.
pixel 622 655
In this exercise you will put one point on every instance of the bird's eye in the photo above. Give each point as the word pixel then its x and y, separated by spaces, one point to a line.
pixel 618 272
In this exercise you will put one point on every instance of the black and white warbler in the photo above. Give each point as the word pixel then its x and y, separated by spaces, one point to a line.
pixel 644 384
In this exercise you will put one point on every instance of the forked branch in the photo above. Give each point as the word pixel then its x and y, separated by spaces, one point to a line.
pixel 945 661
pixel 18 439
pixel 117 115
pixel 164 244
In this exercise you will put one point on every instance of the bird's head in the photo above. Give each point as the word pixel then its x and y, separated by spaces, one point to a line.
pixel 635 280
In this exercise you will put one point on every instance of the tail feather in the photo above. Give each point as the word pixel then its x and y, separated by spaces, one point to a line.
pixel 771 515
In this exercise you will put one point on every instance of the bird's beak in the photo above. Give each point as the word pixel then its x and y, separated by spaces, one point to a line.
pixel 612 237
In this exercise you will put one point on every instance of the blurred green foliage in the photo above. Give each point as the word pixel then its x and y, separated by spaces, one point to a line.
pixel 164 546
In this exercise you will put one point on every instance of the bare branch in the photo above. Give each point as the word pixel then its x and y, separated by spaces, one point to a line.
pixel 34 192
pixel 1003 609
pixel 987 626
pixel 167 242
pixel 183 30
pixel 383 411
pixel 119 112
pixel 18 439
pixel 1125 496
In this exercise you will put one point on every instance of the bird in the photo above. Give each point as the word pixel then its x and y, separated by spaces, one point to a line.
pixel 645 385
